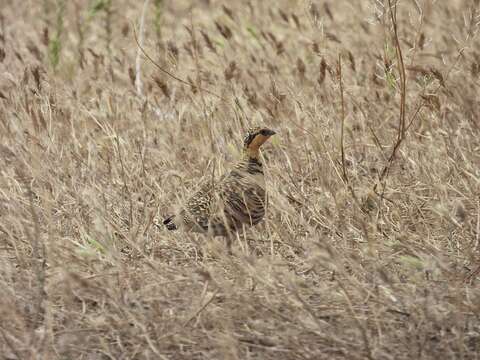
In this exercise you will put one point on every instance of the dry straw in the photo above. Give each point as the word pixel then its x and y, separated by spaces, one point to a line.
pixel 369 248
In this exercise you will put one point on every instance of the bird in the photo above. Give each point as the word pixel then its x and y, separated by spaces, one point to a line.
pixel 235 201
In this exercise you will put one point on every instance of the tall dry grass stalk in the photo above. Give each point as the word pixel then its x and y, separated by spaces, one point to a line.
pixel 370 246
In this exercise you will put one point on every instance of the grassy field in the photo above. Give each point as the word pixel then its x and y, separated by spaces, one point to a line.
pixel 370 247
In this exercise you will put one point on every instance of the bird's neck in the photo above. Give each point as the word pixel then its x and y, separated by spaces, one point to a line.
pixel 251 154
pixel 250 164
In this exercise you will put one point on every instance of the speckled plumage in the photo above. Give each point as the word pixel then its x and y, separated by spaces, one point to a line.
pixel 236 200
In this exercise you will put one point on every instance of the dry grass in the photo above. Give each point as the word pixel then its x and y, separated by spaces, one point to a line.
pixel 370 248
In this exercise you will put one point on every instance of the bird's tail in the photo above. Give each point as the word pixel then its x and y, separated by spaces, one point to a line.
pixel 168 222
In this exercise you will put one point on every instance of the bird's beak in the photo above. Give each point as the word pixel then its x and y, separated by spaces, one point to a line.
pixel 270 132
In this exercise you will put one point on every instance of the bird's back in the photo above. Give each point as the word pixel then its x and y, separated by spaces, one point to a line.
pixel 237 199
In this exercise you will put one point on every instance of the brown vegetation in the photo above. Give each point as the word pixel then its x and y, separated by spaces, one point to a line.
pixel 370 247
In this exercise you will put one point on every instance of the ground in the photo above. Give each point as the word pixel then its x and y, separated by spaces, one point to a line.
pixel 370 246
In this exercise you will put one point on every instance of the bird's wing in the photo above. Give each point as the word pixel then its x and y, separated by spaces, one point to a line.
pixel 196 212
pixel 242 199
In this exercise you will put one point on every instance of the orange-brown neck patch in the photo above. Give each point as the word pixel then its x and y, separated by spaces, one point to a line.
pixel 252 150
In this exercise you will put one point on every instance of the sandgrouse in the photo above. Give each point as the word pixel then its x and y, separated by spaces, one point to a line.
pixel 236 200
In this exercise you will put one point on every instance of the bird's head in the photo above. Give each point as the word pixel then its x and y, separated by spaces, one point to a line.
pixel 255 138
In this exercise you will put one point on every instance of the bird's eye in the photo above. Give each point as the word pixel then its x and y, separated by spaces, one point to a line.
pixel 264 132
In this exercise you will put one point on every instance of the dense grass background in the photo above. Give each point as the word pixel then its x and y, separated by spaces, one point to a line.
pixel 361 258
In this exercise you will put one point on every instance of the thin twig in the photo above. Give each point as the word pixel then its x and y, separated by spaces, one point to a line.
pixel 39 259
pixel 138 75
pixel 125 184
pixel 403 91
pixel 201 308
pixel 342 149
pixel 168 72
pixel 401 71
pixel 423 101
pixel 342 146
pixel 362 329
pixel 417 110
